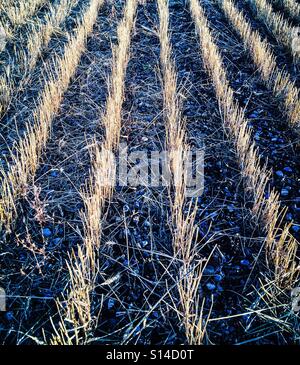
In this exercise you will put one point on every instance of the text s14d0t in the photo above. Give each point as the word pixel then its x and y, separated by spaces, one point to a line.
pixel 135 356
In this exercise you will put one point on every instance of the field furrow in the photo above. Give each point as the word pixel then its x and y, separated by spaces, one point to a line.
pixel 47 213
pixel 149 174
pixel 84 264
pixel 282 29
pixel 290 7
pixel 281 247
pixel 284 59
pixel 183 213
pixel 27 151
pixel 11 45
pixel 135 224
pixel 27 68
pixel 269 128
pixel 277 80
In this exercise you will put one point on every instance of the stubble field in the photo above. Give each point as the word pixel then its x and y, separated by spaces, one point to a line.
pixel 87 260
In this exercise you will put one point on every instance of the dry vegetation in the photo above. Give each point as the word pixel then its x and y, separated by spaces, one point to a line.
pixel 26 152
pixel 84 260
pixel 183 213
pixel 291 7
pixel 84 268
pixel 38 35
pixel 267 211
pixel 278 25
pixel 277 80
pixel 18 12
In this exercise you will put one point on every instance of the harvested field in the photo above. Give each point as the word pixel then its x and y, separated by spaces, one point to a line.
pixel 149 176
